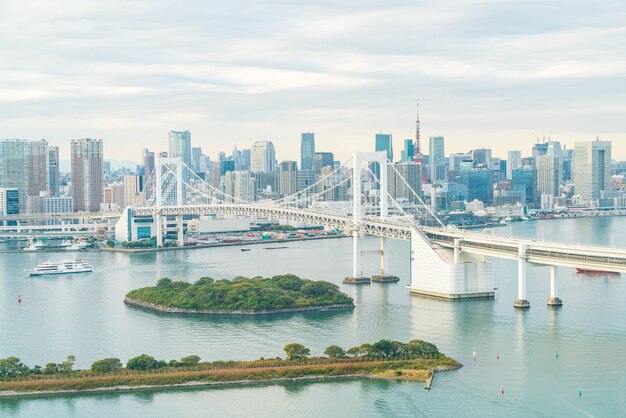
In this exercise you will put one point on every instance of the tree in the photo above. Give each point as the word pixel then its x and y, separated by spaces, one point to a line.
pixel 296 351
pixel 51 368
pixel 190 360
pixel 106 365
pixel 12 367
pixel 164 282
pixel 203 281
pixel 142 362
pixel 334 351
pixel 68 365
pixel 354 351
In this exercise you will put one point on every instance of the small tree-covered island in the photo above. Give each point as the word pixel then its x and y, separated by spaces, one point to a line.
pixel 240 296
pixel 385 359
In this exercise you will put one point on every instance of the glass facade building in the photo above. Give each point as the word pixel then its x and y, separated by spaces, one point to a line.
pixel 307 150
pixel 384 142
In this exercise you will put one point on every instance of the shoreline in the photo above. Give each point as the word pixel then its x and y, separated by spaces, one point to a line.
pixel 200 384
pixel 160 308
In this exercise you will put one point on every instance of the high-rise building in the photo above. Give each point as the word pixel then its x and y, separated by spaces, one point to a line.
pixel 240 185
pixel 514 161
pixel 288 178
pixel 53 170
pixel 401 178
pixel 540 148
pixel 547 175
pixel 408 153
pixel 384 142
pixel 525 179
pixel 263 157
pixel 307 150
pixel 306 178
pixel 482 156
pixel 437 159
pixel 9 201
pixel 196 155
pixel 14 168
pixel 38 159
pixel 592 169
pixel 479 183
pixel 245 159
pixel 87 172
pixel 180 146
pixel 133 187
pixel 554 150
pixel 321 160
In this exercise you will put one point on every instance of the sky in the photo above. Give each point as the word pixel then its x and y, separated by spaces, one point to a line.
pixel 496 74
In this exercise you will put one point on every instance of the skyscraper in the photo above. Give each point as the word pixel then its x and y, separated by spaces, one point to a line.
pixel 592 168
pixel 514 161
pixel 408 153
pixel 384 142
pixel 307 150
pixel 196 155
pixel 87 171
pixel 180 146
pixel 14 168
pixel 53 170
pixel 321 160
pixel 437 159
pixel 263 157
pixel 482 156
pixel 547 175
pixel 287 178
pixel 525 179
pixel 38 159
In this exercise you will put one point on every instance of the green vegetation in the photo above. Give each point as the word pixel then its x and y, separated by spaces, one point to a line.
pixel 144 243
pixel 241 294
pixel 385 358
pixel 277 228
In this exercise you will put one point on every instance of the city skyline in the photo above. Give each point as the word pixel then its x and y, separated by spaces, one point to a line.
pixel 358 67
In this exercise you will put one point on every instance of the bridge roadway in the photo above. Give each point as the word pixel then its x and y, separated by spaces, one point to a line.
pixel 538 252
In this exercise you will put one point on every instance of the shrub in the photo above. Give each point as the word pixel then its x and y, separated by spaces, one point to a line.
pixel 142 362
pixel 164 282
pixel 190 360
pixel 106 365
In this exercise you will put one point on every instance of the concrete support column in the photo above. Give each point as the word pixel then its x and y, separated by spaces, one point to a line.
pixel 357 273
pixel 179 229
pixel 521 302
pixel 457 251
pixel 553 300
pixel 383 259
pixel 159 230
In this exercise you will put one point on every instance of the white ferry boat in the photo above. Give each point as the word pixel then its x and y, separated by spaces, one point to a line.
pixel 61 267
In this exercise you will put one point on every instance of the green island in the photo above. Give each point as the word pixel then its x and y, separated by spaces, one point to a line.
pixel 240 296
pixel 415 360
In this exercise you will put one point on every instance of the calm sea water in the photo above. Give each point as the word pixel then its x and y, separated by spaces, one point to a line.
pixel 85 315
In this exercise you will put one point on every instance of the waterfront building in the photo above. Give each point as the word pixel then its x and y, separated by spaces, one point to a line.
pixel 263 157
pixel 321 160
pixel 9 201
pixel 592 169
pixel 14 168
pixel 514 161
pixel 526 179
pixel 53 170
pixel 384 142
pixel 87 171
pixel 288 178
pixel 38 159
pixel 59 204
pixel 307 150
pixel 479 183
pixel 547 175
pixel 437 161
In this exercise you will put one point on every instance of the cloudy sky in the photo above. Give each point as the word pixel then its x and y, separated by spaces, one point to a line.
pixel 487 73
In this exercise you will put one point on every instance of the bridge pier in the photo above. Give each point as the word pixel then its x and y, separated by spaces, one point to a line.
pixel 553 300
pixel 521 302
pixel 383 277
pixel 357 272
pixel 179 229
pixel 159 230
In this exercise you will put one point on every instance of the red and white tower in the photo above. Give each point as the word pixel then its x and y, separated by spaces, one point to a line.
pixel 418 156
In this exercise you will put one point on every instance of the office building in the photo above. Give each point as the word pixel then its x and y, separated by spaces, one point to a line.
pixel 592 169
pixel 401 178
pixel 482 156
pixel 53 170
pixel 321 160
pixel 9 201
pixel 180 146
pixel 540 148
pixel 87 172
pixel 14 168
pixel 263 157
pixel 479 183
pixel 114 196
pixel 384 142
pixel 288 178
pixel 307 150
pixel 306 178
pixel 196 156
pixel 408 153
pixel 38 173
pixel 525 179
pixel 514 161
pixel 133 188
pixel 437 159
pixel 548 179
pixel 240 185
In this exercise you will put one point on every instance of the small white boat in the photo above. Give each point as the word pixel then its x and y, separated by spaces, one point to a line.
pixel 61 267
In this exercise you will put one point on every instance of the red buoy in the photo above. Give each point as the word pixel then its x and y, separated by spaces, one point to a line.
pixel 502 391
pixel 19 299
pixel 497 356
